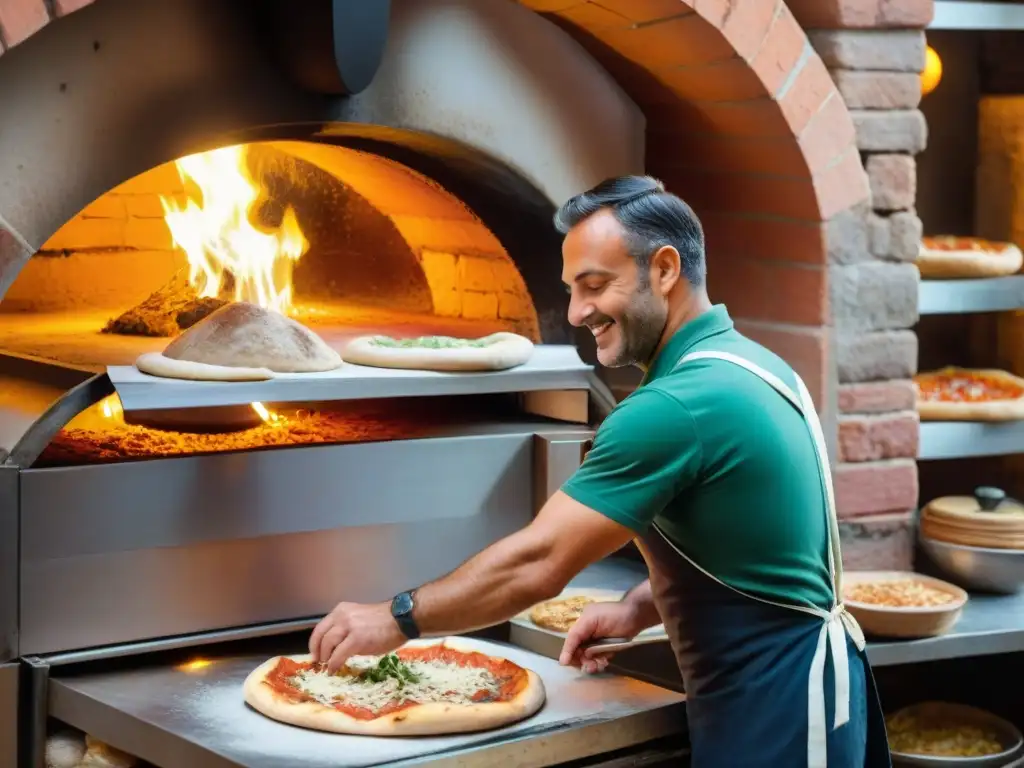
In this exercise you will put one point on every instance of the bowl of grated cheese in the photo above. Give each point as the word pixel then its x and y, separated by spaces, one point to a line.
pixel 937 734
pixel 902 604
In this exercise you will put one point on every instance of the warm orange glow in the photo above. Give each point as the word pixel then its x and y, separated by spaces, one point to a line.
pixel 932 74
pixel 111 408
pixel 221 242
pixel 268 416
pixel 194 665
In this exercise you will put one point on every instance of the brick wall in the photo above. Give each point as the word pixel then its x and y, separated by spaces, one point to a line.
pixel 875 51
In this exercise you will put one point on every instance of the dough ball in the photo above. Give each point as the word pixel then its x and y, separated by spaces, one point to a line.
pixel 65 749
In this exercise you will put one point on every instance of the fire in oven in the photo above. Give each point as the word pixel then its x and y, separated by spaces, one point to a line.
pixel 291 368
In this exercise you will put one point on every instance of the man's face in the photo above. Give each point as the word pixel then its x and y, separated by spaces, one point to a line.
pixel 609 294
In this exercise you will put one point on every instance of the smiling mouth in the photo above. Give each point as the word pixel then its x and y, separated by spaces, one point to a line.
pixel 600 330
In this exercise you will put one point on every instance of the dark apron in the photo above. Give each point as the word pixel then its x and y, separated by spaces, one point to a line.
pixel 768 685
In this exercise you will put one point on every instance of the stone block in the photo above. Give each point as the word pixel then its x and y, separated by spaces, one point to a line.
pixel 878 542
pixel 479 306
pixel 873 296
pixel 862 89
pixel 893 181
pixel 905 242
pixel 901 130
pixel 873 437
pixel 876 355
pixel 887 50
pixel 877 396
pixel 874 487
pixel 846 235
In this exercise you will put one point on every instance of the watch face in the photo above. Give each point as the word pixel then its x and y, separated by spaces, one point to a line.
pixel 402 604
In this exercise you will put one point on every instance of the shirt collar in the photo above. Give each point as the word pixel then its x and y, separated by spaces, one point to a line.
pixel 713 322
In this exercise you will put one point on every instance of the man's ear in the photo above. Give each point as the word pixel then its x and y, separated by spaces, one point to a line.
pixel 666 269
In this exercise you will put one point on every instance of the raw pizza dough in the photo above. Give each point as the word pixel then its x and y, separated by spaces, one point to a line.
pixel 962 394
pixel 100 755
pixel 949 257
pixel 241 342
pixel 496 352
pixel 447 695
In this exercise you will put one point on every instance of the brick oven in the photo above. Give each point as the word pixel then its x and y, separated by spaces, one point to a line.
pixel 791 128
pixel 421 202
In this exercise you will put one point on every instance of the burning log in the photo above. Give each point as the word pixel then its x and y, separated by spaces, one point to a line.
pixel 168 311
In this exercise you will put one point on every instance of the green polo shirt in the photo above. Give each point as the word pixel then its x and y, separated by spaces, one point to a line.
pixel 722 463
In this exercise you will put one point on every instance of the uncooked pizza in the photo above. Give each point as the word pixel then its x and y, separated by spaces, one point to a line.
pixel 560 614
pixel 421 689
pixel 947 256
pixel 496 352
pixel 960 394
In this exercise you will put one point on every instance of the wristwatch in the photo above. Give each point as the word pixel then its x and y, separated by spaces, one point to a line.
pixel 402 605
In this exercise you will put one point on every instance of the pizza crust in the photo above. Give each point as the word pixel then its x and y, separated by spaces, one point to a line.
pixel 421 720
pixel 934 263
pixel 560 614
pixel 157 364
pixel 996 410
pixel 508 350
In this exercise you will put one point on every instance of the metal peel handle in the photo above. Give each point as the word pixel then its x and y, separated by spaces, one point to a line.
pixel 616 644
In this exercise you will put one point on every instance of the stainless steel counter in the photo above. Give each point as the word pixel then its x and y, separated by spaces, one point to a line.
pixel 990 624
pixel 195 717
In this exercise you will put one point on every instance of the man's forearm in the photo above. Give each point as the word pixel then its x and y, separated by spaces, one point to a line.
pixel 641 599
pixel 504 579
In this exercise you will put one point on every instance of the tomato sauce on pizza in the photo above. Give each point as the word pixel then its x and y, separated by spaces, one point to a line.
pixel 954 243
pixel 371 687
pixel 965 387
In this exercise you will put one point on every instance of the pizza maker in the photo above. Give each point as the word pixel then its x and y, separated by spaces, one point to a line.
pixel 136 595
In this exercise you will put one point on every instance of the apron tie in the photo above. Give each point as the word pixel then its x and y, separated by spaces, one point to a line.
pixel 836 625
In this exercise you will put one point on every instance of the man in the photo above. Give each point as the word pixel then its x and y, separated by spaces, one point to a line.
pixel 716 466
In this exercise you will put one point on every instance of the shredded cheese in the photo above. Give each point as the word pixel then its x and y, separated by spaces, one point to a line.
pixel 437 682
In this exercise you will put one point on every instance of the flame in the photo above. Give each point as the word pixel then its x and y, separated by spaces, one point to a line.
pixel 111 408
pixel 220 241
pixel 268 416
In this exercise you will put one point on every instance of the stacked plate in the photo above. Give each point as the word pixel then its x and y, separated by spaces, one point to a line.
pixel 988 520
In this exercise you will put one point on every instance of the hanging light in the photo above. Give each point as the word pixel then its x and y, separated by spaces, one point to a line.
pixel 932 74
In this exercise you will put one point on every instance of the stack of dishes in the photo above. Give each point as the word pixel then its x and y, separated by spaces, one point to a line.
pixel 978 540
pixel 988 519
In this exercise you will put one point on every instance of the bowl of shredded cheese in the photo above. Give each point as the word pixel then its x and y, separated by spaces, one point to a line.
pixel 902 604
pixel 937 733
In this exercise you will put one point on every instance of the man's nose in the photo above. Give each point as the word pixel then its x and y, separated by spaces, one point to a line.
pixel 579 311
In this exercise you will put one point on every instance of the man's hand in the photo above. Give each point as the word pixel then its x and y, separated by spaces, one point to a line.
pixel 353 629
pixel 599 620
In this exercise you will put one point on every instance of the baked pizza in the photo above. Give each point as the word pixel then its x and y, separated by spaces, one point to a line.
pixel 422 689
pixel 560 614
pixel 961 394
pixel 496 352
pixel 947 256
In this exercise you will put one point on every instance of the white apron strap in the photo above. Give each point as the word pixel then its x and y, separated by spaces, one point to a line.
pixel 838 621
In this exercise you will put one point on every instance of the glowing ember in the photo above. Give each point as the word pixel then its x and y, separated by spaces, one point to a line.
pixel 221 243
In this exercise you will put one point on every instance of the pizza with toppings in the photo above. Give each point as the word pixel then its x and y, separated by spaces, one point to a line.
pixel 422 689
pixel 961 394
pixel 560 614
pixel 496 352
pixel 947 256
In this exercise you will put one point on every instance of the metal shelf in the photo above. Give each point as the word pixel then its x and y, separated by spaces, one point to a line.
pixel 551 367
pixel 955 297
pixel 962 439
pixel 965 15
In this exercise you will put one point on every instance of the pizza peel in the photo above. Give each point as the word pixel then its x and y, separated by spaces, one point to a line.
pixel 616 644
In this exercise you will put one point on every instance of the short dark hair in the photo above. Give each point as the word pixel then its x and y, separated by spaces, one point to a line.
pixel 651 217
